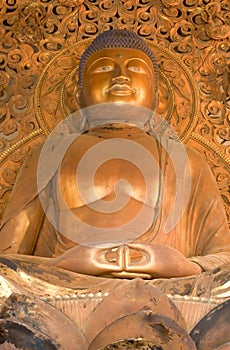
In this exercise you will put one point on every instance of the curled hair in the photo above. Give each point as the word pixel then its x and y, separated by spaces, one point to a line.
pixel 117 38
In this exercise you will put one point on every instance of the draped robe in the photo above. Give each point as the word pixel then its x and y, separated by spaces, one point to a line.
pixel 201 234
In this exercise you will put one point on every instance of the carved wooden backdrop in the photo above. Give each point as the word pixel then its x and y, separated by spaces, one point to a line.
pixel 40 44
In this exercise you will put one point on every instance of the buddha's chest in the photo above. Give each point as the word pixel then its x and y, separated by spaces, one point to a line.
pixel 116 194
pixel 114 181
pixel 108 188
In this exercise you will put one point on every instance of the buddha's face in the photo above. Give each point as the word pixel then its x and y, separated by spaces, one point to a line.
pixel 118 75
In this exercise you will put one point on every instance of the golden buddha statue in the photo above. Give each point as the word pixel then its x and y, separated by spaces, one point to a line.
pixel 152 209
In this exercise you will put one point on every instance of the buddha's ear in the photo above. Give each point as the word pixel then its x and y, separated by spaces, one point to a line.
pixel 156 100
pixel 78 96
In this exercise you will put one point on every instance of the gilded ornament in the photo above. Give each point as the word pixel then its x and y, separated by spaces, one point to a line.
pixel 28 26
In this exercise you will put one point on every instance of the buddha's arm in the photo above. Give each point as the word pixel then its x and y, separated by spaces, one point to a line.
pixel 216 251
pixel 208 223
pixel 24 214
pixel 19 234
pixel 213 243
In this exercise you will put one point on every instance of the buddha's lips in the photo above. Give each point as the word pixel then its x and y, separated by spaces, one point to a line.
pixel 120 89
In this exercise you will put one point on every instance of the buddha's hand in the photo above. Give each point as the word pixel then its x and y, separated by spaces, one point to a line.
pixel 159 261
pixel 91 260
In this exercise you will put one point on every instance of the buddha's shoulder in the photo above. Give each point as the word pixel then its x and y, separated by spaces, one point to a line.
pixel 195 156
pixel 178 148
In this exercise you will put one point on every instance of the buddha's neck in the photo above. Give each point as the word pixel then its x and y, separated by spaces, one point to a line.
pixel 116 129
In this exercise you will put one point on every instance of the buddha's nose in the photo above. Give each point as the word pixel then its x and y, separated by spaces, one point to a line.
pixel 120 79
pixel 121 76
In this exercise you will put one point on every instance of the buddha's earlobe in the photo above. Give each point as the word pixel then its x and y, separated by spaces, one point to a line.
pixel 156 100
pixel 77 96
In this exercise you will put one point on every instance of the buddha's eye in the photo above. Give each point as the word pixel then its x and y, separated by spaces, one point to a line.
pixel 136 69
pixel 103 69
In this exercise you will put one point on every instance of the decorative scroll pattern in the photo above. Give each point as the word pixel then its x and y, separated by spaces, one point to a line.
pixel 33 32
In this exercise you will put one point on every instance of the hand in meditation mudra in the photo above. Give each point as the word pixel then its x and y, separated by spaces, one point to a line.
pixel 119 69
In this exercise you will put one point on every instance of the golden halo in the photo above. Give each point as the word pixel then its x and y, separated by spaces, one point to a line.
pixel 54 97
